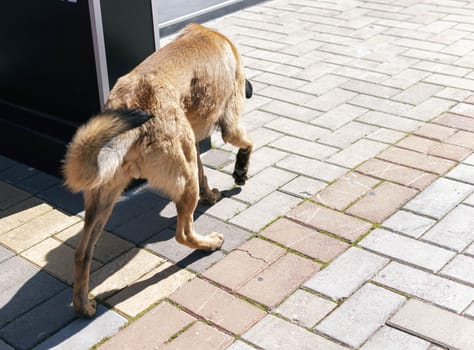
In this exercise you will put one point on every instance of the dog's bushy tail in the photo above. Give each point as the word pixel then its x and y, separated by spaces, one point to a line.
pixel 97 150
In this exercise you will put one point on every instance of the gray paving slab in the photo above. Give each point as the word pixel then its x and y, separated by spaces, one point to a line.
pixel 388 338
pixel 17 173
pixel 408 223
pixel 463 173
pixel 460 268
pixel 408 250
pixel 6 163
pixel 41 322
pixel 62 198
pixel 435 289
pixel 5 254
pixel 240 345
pixel 5 346
pixel 361 315
pixel 23 286
pixel 82 333
pixel 38 182
pixel 454 231
pixel 439 198
pixel 347 273
pixel 435 324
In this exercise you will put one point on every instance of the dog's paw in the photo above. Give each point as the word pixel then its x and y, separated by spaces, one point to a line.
pixel 210 197
pixel 240 176
pixel 87 310
pixel 215 240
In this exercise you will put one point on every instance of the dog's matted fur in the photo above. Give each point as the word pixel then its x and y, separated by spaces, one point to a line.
pixel 150 127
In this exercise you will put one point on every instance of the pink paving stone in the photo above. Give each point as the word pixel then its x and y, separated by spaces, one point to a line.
pixel 435 132
pixel 279 280
pixel 397 173
pixel 462 138
pixel 328 220
pixel 417 160
pixel 200 336
pixel 427 146
pixel 243 263
pixel 218 306
pixel 382 202
pixel 455 121
pixel 304 240
pixel 346 190
pixel 152 330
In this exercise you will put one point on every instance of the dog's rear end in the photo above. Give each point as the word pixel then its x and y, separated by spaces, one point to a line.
pixel 155 116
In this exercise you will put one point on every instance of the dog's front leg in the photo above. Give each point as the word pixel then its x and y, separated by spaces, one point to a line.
pixel 206 195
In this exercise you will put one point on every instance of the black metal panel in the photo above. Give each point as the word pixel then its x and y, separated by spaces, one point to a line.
pixel 128 34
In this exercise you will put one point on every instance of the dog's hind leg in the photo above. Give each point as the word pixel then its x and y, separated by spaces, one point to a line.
pixel 206 195
pixel 98 204
pixel 236 136
pixel 185 206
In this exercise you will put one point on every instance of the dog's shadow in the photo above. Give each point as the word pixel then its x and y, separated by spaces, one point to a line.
pixel 34 306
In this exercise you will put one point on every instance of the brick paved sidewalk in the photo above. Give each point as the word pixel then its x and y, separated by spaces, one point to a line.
pixel 355 230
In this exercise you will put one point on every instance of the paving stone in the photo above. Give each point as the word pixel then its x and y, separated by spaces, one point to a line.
pixel 218 306
pixel 286 95
pixel 21 213
pixel 41 321
pixel 332 221
pixel 83 333
pixel 38 182
pixel 434 324
pixel 380 104
pixel 435 148
pixel 296 128
pixel 438 290
pixel 152 330
pixel 408 223
pixel 11 195
pixel 454 93
pixel 159 283
pixel 305 309
pixel 290 110
pixel 5 254
pixel 108 246
pixel 347 134
pixel 363 87
pixel 216 158
pixel 252 258
pixel 303 187
pixel 357 153
pixel 4 346
pixel 303 147
pixel 438 199
pixel 435 132
pixel 464 173
pixel 388 338
pixel 263 212
pixel 399 174
pixel 346 190
pixel 381 202
pixel 200 336
pixel 361 315
pixel 469 160
pixel 36 230
pixel 286 336
pixel 17 173
pixel 469 311
pixel 463 139
pixel 122 272
pixel 347 273
pixel 23 286
pixel 304 240
pixel 226 209
pixel 278 280
pixel 389 121
pixel 407 249
pixel 263 184
pixel 406 78
pixel 337 117
pixel 63 199
pixel 460 268
pixel 417 93
pixel 429 109
pixel 386 135
pixel 456 121
pixel 55 258
pixel 330 100
pixel 470 200
pixel 454 230
pixel 6 163
pixel 416 160
pixel 312 168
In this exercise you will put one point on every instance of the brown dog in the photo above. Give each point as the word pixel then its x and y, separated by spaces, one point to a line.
pixel 153 119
